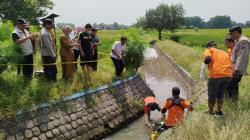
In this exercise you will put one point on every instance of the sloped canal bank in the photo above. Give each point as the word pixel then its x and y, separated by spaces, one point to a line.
pixel 161 76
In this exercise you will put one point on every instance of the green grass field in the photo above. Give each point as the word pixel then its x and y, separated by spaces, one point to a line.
pixel 188 52
pixel 199 38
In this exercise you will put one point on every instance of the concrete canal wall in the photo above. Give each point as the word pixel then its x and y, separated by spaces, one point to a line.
pixel 85 115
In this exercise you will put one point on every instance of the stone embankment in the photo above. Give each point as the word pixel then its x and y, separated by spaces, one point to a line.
pixel 86 115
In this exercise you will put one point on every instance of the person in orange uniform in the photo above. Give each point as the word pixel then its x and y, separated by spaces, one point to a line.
pixel 220 74
pixel 230 43
pixel 150 104
pixel 175 106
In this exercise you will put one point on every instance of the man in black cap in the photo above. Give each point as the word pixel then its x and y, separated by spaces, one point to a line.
pixel 23 39
pixel 240 57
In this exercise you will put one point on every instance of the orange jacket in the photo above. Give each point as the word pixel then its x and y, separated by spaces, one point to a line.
pixel 175 109
pixel 230 52
pixel 149 99
pixel 220 65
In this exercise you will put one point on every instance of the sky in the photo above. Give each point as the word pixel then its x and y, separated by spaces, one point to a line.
pixel 80 12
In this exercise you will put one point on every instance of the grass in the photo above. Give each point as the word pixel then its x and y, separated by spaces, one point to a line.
pixel 236 125
pixel 199 38
pixel 16 94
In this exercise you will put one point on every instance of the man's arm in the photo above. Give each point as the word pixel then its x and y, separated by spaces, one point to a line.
pixel 242 56
pixel 186 104
pixel 18 40
pixel 158 108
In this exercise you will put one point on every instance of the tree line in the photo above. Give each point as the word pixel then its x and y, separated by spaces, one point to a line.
pixel 217 22
pixel 171 17
pixel 100 26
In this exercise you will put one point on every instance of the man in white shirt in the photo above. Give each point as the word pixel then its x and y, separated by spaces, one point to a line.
pixel 23 38
pixel 117 55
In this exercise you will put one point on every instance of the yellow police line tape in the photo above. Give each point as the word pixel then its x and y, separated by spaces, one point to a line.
pixel 50 64
pixel 62 63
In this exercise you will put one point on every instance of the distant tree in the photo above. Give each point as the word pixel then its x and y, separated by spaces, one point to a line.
pixel 164 17
pixel 247 24
pixel 31 10
pixel 220 22
pixel 194 22
pixel 95 25
pixel 115 26
pixel 141 22
pixel 62 24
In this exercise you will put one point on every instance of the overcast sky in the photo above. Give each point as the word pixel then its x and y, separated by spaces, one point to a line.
pixel 126 12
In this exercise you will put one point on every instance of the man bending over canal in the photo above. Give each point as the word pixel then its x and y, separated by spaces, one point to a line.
pixel 150 104
pixel 220 74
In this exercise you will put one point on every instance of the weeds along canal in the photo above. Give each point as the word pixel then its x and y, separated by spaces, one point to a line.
pixel 161 77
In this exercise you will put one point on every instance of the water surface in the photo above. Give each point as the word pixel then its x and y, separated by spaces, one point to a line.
pixel 161 78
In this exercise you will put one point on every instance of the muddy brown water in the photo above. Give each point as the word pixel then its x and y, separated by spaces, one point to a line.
pixel 161 77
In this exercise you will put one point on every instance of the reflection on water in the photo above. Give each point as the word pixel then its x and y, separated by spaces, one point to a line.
pixel 150 53
pixel 161 78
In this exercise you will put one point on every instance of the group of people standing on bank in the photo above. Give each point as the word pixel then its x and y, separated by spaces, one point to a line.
pixel 73 45
pixel 225 69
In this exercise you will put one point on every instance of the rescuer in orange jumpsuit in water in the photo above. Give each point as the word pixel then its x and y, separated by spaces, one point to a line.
pixel 150 104
pixel 175 106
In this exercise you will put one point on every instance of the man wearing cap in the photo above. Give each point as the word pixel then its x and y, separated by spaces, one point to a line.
pixel 23 39
pixel 240 57
pixel 48 50
pixel 220 74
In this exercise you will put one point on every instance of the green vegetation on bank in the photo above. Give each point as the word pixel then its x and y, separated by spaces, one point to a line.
pixel 17 94
pixel 198 126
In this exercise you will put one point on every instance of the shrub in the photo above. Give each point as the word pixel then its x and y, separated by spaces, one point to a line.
pixel 196 29
pixel 6 29
pixel 175 38
pixel 134 50
pixel 9 52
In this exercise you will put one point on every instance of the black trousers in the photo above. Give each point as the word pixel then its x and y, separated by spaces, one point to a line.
pixel 50 71
pixel 119 66
pixel 233 88
pixel 95 58
pixel 76 55
pixel 216 88
pixel 27 69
